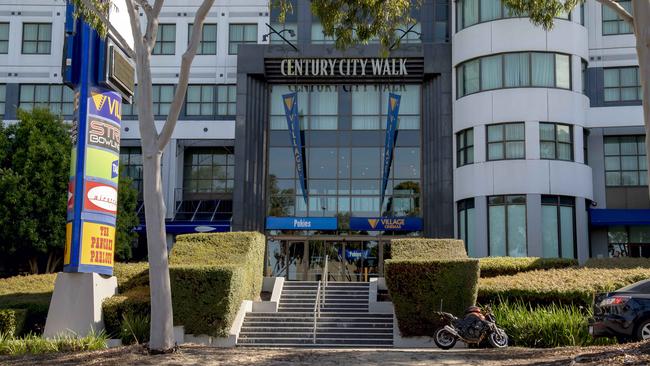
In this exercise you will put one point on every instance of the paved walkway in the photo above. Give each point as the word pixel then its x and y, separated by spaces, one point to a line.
pixel 201 355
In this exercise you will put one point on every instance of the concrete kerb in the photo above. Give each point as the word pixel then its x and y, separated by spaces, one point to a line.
pixel 273 285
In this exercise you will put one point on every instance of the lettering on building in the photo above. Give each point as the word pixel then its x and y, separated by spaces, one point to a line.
pixel 346 67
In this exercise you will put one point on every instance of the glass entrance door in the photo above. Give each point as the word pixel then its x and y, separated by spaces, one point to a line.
pixel 348 260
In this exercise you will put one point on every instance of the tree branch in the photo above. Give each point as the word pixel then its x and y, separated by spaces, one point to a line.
pixel 618 9
pixel 146 7
pixel 118 38
pixel 144 89
pixel 184 74
pixel 152 24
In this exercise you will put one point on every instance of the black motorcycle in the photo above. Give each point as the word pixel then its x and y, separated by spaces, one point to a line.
pixel 475 327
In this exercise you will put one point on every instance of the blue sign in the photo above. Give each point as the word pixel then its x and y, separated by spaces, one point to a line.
pixel 115 169
pixel 386 223
pixel 391 135
pixel 293 122
pixel 301 223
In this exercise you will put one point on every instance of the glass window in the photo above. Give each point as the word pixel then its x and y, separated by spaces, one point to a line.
pixel 625 161
pixel 131 166
pixel 37 38
pixel 612 23
pixel 466 224
pixel 506 141
pixel 491 72
pixel 199 100
pixel 162 99
pixel 130 111
pixel 4 37
pixel 3 98
pixel 165 40
pixel 558 227
pixel 317 35
pixel 226 100
pixel 208 43
pixel 208 170
pixel 465 147
pixel 411 37
pixel 365 109
pixel 470 12
pixel 585 144
pixel 57 98
pixel 556 141
pixel 241 34
pixel 507 226
pixel 289 32
pixel 622 84
pixel 514 70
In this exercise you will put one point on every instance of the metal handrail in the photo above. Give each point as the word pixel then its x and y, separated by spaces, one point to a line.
pixel 325 281
pixel 316 310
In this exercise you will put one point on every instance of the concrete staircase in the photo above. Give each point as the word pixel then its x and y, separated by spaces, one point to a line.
pixel 344 320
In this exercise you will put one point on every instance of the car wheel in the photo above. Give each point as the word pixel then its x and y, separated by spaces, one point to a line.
pixel 643 330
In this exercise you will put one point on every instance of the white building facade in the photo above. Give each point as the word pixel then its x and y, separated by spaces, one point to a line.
pixel 545 146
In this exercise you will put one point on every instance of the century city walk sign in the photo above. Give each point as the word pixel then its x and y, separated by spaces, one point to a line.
pixel 102 76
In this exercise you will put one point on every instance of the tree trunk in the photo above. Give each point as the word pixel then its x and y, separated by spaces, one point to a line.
pixel 162 328
pixel 162 332
pixel 52 262
pixel 33 265
pixel 641 13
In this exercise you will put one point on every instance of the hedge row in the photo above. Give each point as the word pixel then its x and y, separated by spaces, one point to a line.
pixel 501 266
pixel 624 263
pixel 418 288
pixel 575 286
pixel 31 294
pixel 427 275
pixel 422 248
pixel 12 321
pixel 210 275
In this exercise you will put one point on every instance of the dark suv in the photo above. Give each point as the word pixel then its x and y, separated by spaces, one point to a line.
pixel 624 313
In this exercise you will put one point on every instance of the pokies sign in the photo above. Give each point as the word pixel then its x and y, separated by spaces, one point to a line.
pixel 92 191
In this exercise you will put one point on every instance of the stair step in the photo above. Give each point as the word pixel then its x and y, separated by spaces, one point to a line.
pixel 276 335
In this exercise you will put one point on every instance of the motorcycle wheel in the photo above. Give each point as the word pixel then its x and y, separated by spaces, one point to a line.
pixel 444 339
pixel 498 339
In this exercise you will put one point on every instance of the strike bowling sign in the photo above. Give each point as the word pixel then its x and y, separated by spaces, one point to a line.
pixel 92 191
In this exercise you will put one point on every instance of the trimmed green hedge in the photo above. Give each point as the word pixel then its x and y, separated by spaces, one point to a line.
pixel 622 263
pixel 422 248
pixel 12 321
pixel 501 266
pixel 210 274
pixel 428 275
pixel 30 293
pixel 420 288
pixel 575 286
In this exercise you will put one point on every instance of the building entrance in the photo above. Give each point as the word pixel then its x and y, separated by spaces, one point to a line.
pixel 349 259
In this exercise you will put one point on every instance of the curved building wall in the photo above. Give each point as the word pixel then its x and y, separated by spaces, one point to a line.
pixel 529 175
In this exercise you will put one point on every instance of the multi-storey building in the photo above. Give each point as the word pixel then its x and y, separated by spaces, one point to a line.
pixel 520 141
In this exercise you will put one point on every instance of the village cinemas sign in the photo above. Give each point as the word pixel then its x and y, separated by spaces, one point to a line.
pixel 343 67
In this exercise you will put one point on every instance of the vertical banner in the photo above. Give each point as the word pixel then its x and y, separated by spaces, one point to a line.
pixel 389 144
pixel 92 191
pixel 290 102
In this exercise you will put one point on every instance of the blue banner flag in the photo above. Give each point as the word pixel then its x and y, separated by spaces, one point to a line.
pixel 290 102
pixel 391 135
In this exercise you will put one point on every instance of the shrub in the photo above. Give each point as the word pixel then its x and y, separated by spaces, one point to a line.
pixel 575 286
pixel 210 274
pixel 622 263
pixel 420 288
pixel 135 328
pixel 35 344
pixel 500 266
pixel 546 326
pixel 422 248
pixel 31 293
pixel 12 321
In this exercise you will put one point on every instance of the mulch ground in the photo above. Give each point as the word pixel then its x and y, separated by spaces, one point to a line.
pixel 629 354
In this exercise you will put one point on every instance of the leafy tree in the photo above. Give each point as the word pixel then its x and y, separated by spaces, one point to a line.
pixel 543 13
pixel 34 182
pixel 127 218
pixel 351 21
pixel 34 174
